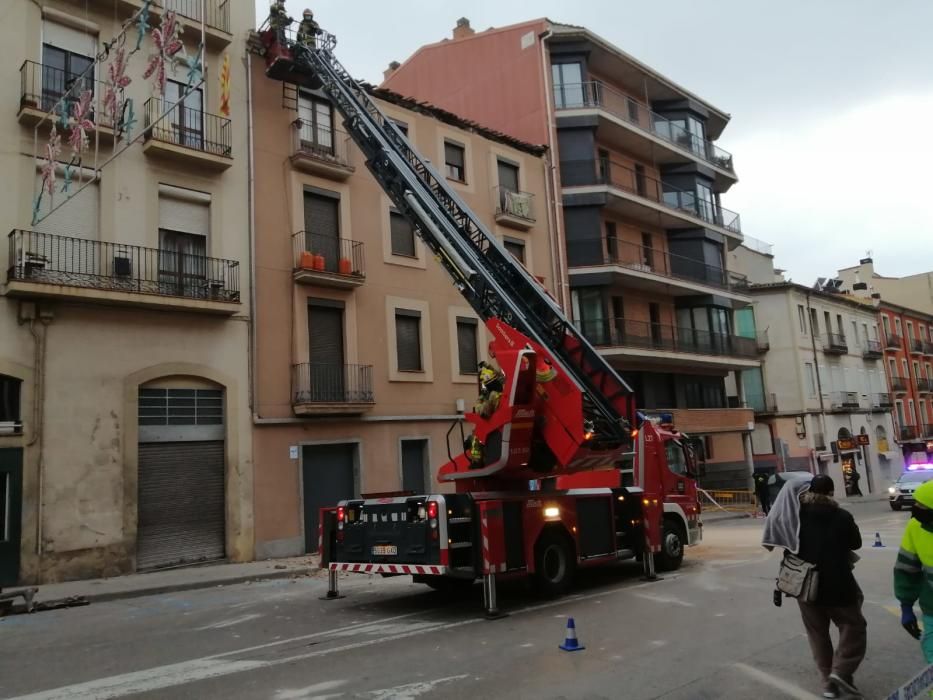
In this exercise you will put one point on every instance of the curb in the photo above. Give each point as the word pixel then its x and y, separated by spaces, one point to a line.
pixel 105 596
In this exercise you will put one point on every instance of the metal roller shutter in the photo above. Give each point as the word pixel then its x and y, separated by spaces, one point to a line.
pixel 77 216
pixel 176 214
pixel 63 37
pixel 181 503
pixel 322 228
pixel 327 477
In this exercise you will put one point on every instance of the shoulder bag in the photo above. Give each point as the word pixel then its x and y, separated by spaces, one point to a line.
pixel 798 578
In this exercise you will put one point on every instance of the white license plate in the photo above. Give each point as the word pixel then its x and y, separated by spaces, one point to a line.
pixel 385 550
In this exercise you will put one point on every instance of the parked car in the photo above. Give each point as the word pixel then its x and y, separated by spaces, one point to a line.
pixel 776 481
pixel 902 492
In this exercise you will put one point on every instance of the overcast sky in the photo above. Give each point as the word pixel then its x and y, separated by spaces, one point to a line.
pixel 831 104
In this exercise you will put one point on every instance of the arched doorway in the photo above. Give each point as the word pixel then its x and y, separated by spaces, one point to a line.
pixel 181 477
pixel 848 451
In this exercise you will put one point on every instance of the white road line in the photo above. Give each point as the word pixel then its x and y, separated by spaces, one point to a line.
pixel 412 690
pixel 173 675
pixel 229 623
pixel 668 600
pixel 792 691
pixel 306 693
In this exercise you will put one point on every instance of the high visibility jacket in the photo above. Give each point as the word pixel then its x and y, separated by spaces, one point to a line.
pixel 913 571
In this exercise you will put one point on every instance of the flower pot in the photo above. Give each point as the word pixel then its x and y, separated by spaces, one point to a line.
pixel 345 266
pixel 306 261
pixel 319 262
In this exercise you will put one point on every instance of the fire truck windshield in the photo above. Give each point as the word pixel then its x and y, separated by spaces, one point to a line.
pixel 676 460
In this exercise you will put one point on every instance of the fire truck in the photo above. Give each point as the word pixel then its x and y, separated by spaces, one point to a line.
pixel 558 471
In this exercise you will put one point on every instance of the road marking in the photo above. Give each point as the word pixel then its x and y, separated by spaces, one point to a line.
pixel 412 690
pixel 185 672
pixel 669 600
pixel 306 693
pixel 229 623
pixel 793 691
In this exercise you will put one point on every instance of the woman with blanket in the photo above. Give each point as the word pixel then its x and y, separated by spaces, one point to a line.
pixel 806 521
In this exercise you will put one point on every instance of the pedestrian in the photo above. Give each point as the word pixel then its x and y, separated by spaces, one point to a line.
pixel 910 579
pixel 761 491
pixel 308 29
pixel 856 477
pixel 818 531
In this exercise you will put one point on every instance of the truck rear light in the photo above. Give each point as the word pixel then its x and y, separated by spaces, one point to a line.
pixel 432 510
pixel 341 516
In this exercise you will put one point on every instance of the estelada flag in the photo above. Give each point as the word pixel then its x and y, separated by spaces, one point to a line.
pixel 225 86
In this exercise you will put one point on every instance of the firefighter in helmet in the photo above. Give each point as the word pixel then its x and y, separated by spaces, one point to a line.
pixel 279 20
pixel 491 383
pixel 308 29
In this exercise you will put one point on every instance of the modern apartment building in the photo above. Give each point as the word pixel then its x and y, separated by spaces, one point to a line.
pixel 366 355
pixel 635 194
pixel 825 402
pixel 125 439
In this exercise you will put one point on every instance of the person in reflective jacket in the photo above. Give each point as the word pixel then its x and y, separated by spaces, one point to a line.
pixel 913 570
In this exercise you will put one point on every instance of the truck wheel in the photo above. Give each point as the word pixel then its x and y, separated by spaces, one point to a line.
pixel 672 547
pixel 555 563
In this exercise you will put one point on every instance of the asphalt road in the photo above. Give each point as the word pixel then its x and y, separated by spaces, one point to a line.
pixel 707 631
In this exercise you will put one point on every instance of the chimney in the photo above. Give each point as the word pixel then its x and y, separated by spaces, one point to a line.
pixel 394 66
pixel 463 29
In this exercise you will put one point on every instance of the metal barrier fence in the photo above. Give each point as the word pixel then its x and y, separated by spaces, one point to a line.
pixel 729 500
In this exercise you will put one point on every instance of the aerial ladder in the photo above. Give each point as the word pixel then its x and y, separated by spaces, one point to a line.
pixel 564 411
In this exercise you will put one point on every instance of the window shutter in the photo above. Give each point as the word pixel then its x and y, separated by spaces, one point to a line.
pixel 325 334
pixel 517 249
pixel 466 345
pixel 322 215
pixel 403 235
pixel 68 38
pixel 408 340
pixel 185 211
pixel 453 154
pixel 508 176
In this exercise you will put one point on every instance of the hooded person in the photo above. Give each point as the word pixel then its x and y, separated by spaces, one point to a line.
pixel 782 526
pixel 914 559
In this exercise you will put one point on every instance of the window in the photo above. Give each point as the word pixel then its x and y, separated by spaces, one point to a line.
pixel 402 126
pixel 697 131
pixel 516 248
pixel 923 412
pixel 929 369
pixel 899 406
pixel 508 176
pixel 855 333
pixel 9 399
pixel 865 331
pixel 916 370
pixel 706 203
pixel 414 465
pixel 897 326
pixel 906 367
pixel 316 127
pixel 647 250
pixel 910 412
pixel 676 461
pixel 762 442
pixel 910 329
pixel 403 235
pixel 454 159
pixel 467 331
pixel 408 340
pixel 568 84
pixel 186 121
pixel 587 303
pixel 827 320
pixel 61 70
pixel 811 380
pixel 802 319
pixel 814 323
pixel 612 242
pixel 840 328
pixel 886 324
pixel 704 392
pixel 181 406
pixel 892 365
pixel 182 263
pixel 322 227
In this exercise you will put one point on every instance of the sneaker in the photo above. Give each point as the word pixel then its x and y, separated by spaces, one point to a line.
pixel 847 685
pixel 829 690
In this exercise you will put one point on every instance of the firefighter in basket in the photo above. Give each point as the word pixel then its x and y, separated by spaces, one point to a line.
pixel 279 20
pixel 491 383
pixel 308 30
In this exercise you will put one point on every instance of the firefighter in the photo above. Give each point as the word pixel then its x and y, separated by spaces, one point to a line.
pixel 491 383
pixel 279 20
pixel 913 560
pixel 308 29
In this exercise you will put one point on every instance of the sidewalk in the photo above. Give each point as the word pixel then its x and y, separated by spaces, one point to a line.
pixel 181 579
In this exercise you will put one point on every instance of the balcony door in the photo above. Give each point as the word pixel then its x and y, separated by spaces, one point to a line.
pixel 322 227
pixel 186 121
pixel 182 264
pixel 316 125
pixel 568 85
pixel 62 70
pixel 326 352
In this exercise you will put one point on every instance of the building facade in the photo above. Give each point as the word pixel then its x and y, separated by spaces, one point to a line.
pixel 636 198
pixel 825 403
pixel 125 439
pixel 366 354
pixel 911 291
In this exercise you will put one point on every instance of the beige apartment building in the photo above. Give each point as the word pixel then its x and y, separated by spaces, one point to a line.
pixel 125 439
pixel 365 352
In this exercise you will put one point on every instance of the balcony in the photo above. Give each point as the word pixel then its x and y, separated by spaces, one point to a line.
pixel 514 209
pixel 882 401
pixel 926 431
pixel 636 195
pixel 819 441
pixel 927 347
pixel 670 344
pixel 326 261
pixel 835 344
pixel 916 346
pixel 331 389
pixel 898 384
pixel 763 343
pixel 41 89
pixel 907 432
pixel 640 130
pixel 216 14
pixel 843 401
pixel 872 350
pixel 321 151
pixel 892 341
pixel 762 404
pixel 924 385
pixel 44 265
pixel 188 136
pixel 654 270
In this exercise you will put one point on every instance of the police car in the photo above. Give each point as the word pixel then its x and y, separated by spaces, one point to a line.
pixel 901 494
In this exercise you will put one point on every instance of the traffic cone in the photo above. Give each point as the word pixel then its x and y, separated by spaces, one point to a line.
pixel 877 540
pixel 570 642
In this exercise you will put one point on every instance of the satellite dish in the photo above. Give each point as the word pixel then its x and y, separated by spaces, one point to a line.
pixel 820 282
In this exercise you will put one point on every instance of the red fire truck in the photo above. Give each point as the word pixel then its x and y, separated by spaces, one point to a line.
pixel 560 471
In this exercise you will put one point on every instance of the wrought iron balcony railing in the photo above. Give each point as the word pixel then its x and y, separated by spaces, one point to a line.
pixel 319 253
pixel 330 146
pixel 596 94
pixel 189 128
pixel 602 171
pixel 44 258
pixel 316 382
pixel 514 203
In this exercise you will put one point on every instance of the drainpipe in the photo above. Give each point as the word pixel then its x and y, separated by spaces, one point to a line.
pixel 251 199
pixel 38 417
pixel 816 369
pixel 562 283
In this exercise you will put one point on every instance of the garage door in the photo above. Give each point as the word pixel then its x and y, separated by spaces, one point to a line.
pixel 181 478
pixel 327 477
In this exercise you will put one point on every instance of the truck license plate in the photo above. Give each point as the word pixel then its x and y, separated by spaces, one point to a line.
pixel 385 550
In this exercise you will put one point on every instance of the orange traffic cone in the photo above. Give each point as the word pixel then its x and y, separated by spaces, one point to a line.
pixel 570 642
